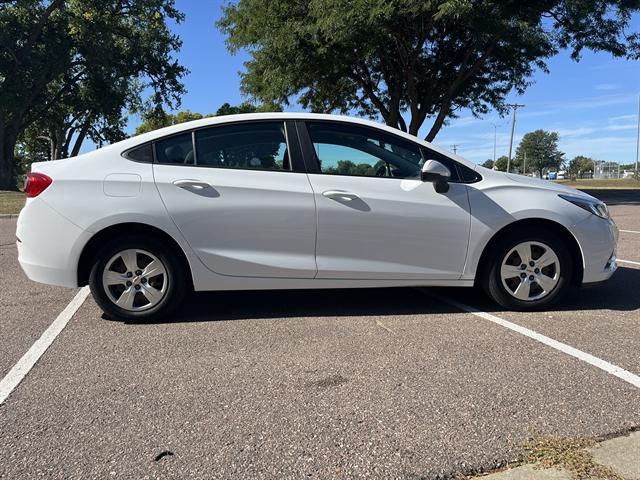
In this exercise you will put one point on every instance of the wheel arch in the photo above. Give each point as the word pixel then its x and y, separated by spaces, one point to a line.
pixel 545 224
pixel 100 238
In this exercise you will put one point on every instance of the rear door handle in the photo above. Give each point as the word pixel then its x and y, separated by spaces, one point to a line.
pixel 196 185
pixel 340 195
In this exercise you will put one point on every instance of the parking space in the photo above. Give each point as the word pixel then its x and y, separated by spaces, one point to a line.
pixel 390 383
pixel 26 308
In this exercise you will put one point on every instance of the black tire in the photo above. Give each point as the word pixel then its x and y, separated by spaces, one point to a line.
pixel 491 277
pixel 176 278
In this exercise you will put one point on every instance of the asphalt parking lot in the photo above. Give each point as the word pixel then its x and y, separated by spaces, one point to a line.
pixel 389 383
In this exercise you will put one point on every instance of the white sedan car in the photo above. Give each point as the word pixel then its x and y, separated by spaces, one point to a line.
pixel 283 201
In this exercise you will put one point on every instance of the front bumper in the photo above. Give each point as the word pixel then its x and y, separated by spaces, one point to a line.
pixel 49 245
pixel 598 239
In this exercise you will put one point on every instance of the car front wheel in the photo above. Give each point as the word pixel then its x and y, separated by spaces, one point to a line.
pixel 137 278
pixel 529 270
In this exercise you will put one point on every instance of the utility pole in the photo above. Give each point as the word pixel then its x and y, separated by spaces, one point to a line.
pixel 524 168
pixel 515 107
pixel 455 148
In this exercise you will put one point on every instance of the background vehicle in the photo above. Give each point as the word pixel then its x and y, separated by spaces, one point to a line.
pixel 278 201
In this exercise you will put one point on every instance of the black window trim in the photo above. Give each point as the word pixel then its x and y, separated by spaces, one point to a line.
pixel 299 142
pixel 296 161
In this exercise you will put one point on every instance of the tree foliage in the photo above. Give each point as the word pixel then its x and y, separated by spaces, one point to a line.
pixel 247 107
pixel 69 67
pixel 488 163
pixel 541 150
pixel 579 165
pixel 429 58
pixel 157 118
pixel 501 163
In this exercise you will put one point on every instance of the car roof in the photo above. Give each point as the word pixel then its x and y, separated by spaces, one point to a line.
pixel 244 117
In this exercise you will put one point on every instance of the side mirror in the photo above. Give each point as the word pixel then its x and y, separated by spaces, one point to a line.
pixel 435 172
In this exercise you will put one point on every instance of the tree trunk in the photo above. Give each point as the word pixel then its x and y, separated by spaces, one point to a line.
pixel 439 121
pixel 81 136
pixel 7 178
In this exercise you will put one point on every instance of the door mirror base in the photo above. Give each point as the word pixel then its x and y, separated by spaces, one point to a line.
pixel 441 186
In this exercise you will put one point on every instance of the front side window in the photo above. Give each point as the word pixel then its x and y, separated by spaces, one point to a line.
pixel 177 150
pixel 254 146
pixel 360 151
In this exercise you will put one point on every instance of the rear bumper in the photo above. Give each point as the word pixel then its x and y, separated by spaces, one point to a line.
pixel 49 245
pixel 598 240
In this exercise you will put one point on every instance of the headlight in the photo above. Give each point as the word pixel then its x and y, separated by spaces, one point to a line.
pixel 592 206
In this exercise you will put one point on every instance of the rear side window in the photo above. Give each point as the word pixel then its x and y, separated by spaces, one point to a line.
pixel 254 146
pixel 143 153
pixel 177 150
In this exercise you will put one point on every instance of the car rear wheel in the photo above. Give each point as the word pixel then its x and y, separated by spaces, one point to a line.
pixel 528 270
pixel 137 278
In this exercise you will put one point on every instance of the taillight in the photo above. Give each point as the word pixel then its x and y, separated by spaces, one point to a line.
pixel 36 183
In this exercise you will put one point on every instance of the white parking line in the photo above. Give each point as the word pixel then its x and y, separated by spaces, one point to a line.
pixel 619 372
pixel 628 261
pixel 629 231
pixel 29 359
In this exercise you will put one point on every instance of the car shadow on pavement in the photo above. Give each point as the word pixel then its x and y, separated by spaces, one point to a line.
pixel 619 294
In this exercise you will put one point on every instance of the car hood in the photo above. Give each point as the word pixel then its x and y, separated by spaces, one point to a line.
pixel 547 185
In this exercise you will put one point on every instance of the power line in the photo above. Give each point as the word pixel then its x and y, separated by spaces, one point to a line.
pixel 515 107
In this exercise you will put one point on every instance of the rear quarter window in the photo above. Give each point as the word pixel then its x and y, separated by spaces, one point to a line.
pixel 143 153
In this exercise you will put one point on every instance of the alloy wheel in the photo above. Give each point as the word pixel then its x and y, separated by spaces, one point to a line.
pixel 135 280
pixel 530 271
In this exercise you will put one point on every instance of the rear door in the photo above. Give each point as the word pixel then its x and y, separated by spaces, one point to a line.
pixel 376 218
pixel 236 195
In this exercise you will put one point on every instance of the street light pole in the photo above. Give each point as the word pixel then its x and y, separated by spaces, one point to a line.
pixel 51 147
pixel 515 107
pixel 638 141
pixel 495 130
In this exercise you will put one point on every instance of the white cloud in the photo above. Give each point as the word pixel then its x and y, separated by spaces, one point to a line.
pixel 624 118
pixel 607 86
pixel 613 148
pixel 599 101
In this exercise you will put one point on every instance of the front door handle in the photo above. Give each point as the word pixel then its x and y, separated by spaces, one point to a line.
pixel 340 195
pixel 196 185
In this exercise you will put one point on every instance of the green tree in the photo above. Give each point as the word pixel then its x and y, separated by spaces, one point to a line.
pixel 155 118
pixel 541 150
pixel 579 165
pixel 158 118
pixel 78 64
pixel 501 163
pixel 247 107
pixel 488 163
pixel 428 58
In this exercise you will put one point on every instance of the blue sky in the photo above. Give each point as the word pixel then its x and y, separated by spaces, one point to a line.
pixel 593 104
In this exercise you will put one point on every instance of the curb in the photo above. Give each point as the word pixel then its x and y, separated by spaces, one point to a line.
pixel 9 215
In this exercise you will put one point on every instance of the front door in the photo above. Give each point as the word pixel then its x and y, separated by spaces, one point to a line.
pixel 376 218
pixel 237 200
